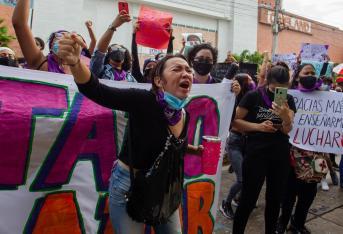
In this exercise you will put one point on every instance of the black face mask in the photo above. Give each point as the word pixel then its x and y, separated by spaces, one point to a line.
pixel 202 68
pixel 308 82
pixel 117 56
pixel 9 62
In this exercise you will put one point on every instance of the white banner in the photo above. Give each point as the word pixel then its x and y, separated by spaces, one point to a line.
pixel 58 147
pixel 318 123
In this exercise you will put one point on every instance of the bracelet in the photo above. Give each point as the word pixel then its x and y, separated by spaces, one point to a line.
pixel 112 28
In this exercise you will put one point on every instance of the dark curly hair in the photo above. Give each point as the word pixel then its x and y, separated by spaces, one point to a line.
pixel 205 46
pixel 127 61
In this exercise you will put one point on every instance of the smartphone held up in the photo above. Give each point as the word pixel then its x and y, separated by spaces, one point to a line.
pixel 280 96
pixel 123 7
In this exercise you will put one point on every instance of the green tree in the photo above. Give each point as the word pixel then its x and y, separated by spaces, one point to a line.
pixel 5 38
pixel 248 57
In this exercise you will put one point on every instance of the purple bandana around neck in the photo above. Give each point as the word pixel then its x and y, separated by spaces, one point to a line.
pixel 317 86
pixel 265 96
pixel 172 116
pixel 210 80
pixel 53 65
pixel 119 75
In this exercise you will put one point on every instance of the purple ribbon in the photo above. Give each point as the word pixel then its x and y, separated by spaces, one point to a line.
pixel 53 65
pixel 172 116
pixel 210 80
pixel 119 75
pixel 265 96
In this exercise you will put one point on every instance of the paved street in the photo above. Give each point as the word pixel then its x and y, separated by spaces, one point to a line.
pixel 326 214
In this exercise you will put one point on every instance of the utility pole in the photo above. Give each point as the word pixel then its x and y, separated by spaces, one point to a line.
pixel 276 27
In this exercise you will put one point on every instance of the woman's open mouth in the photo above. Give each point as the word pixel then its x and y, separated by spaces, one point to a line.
pixel 185 84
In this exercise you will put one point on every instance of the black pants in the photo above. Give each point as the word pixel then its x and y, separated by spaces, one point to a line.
pixel 305 192
pixel 270 163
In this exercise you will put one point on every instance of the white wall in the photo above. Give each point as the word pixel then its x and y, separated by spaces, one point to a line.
pixel 236 34
pixel 244 25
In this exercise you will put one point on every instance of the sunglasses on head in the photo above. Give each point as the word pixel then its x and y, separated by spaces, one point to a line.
pixel 115 48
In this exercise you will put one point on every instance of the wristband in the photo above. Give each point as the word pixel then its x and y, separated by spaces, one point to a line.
pixel 112 28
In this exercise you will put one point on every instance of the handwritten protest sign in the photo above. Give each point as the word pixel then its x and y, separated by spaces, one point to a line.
pixel 58 148
pixel 249 68
pixel 154 28
pixel 220 70
pixel 318 123
pixel 314 52
pixel 322 69
pixel 191 39
pixel 289 59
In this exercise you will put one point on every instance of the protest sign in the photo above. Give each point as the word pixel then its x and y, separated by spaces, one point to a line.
pixel 314 52
pixel 58 148
pixel 154 28
pixel 322 69
pixel 13 3
pixel 220 70
pixel 289 59
pixel 191 39
pixel 318 123
pixel 249 68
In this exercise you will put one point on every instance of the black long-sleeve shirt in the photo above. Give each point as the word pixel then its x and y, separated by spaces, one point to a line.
pixel 148 126
pixel 136 69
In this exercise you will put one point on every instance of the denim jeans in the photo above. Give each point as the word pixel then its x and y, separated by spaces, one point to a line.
pixel 235 146
pixel 121 222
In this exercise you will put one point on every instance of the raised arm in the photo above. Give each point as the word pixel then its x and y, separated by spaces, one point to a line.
pixel 106 38
pixel 136 69
pixel 183 42
pixel 33 56
pixel 170 49
pixel 89 25
pixel 264 68
pixel 129 100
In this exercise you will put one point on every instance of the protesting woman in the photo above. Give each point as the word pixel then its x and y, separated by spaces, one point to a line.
pixel 235 146
pixel 202 58
pixel 146 183
pixel 112 62
pixel 266 125
pixel 303 178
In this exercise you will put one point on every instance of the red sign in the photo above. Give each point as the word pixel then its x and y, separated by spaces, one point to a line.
pixel 154 28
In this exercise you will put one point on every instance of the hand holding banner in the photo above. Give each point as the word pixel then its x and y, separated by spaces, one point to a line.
pixel 154 28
